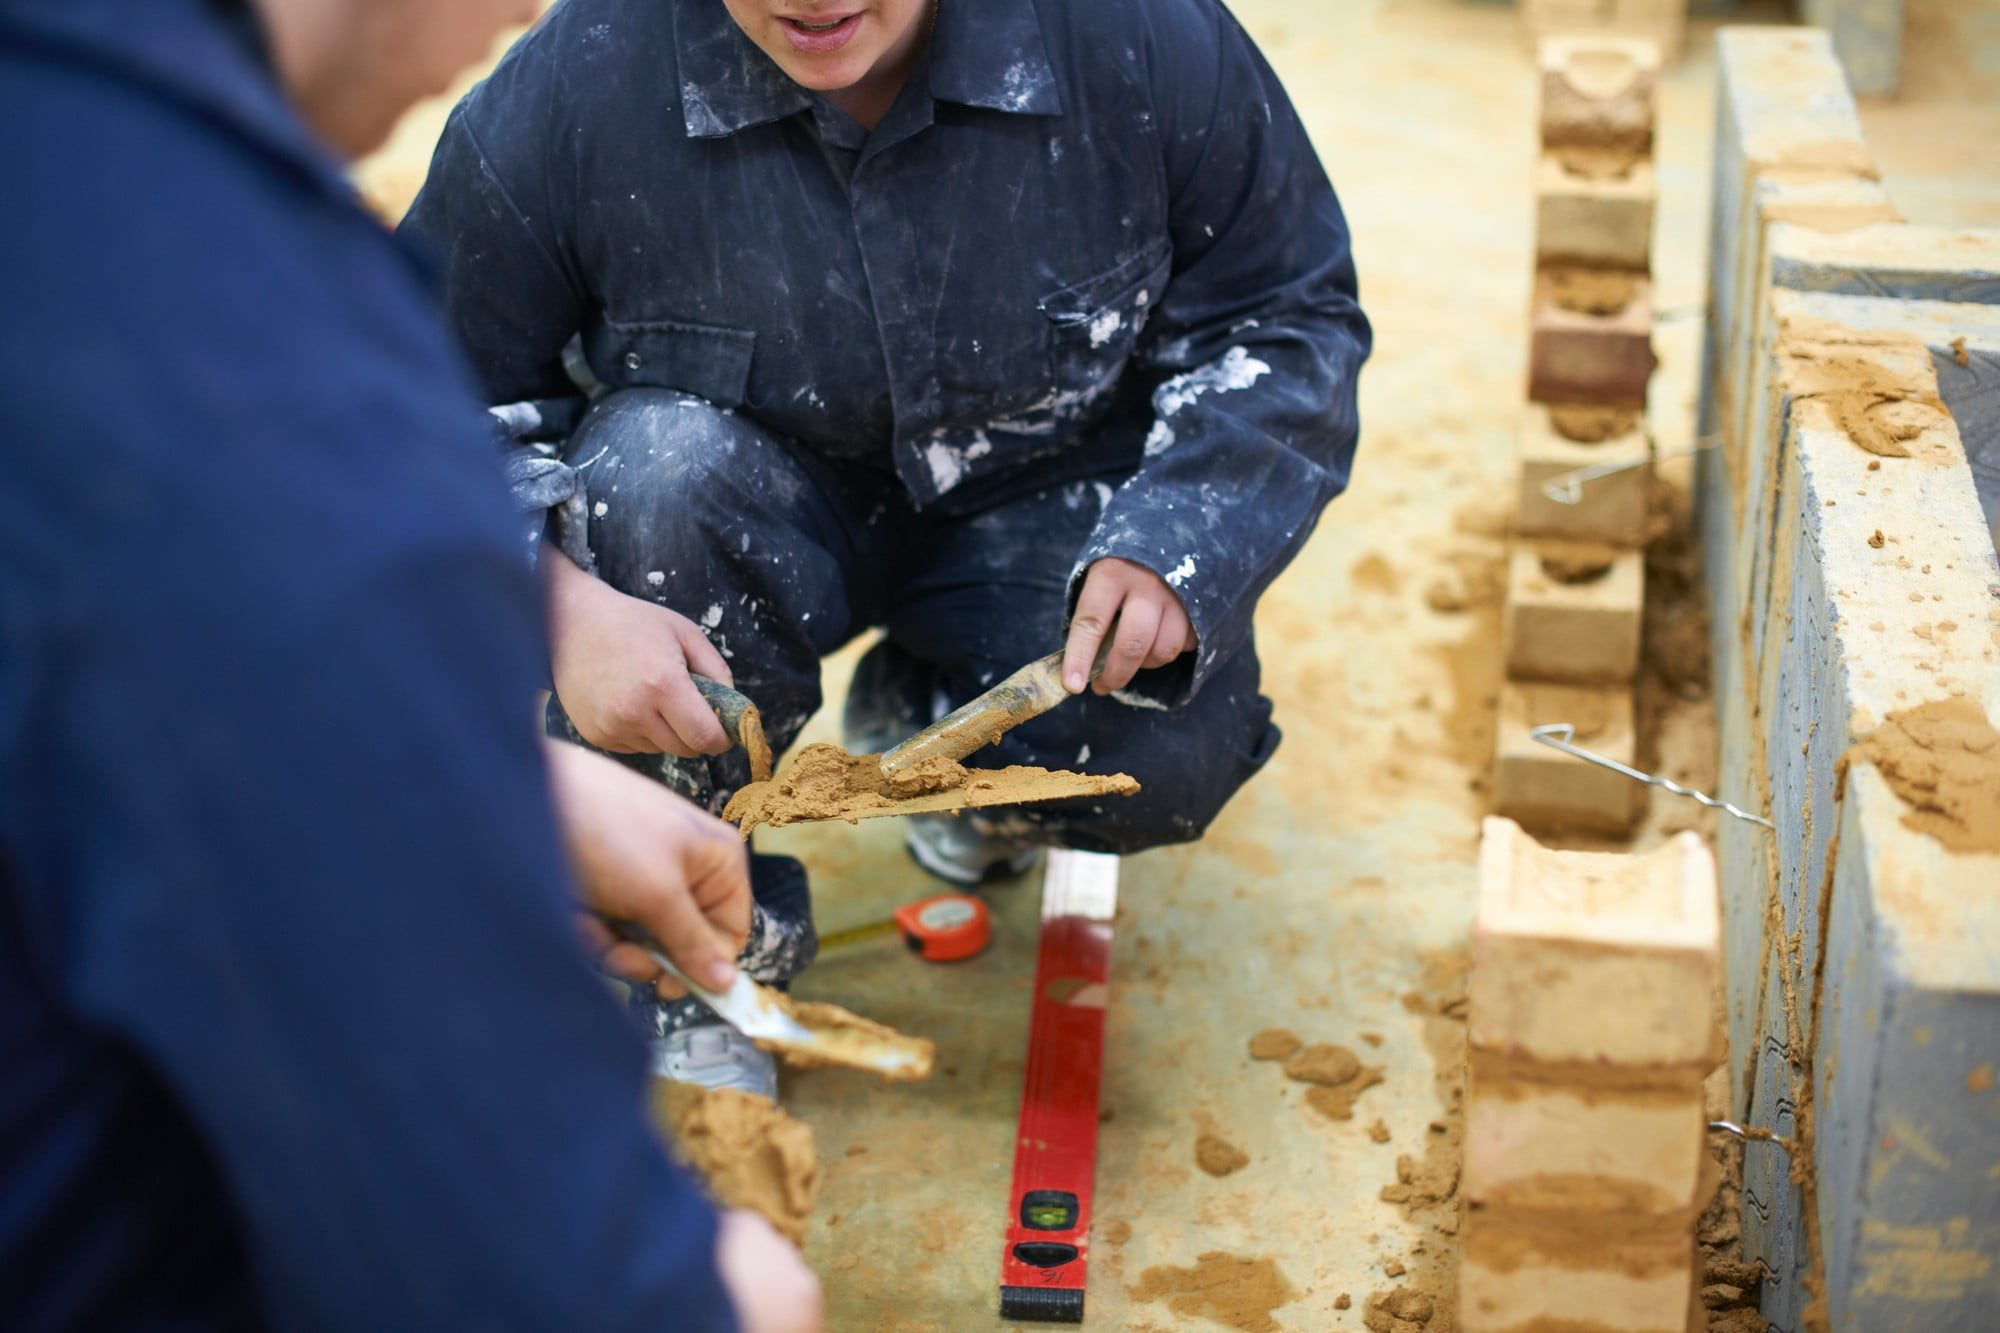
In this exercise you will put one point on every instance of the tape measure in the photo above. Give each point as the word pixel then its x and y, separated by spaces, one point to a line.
pixel 946 929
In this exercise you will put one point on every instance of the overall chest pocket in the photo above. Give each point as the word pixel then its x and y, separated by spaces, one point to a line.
pixel 1094 324
pixel 708 361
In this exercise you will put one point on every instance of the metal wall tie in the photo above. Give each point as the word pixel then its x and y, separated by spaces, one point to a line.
pixel 1560 735
pixel 1567 488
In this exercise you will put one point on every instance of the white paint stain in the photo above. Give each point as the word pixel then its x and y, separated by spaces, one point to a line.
pixel 1132 700
pixel 655 578
pixel 1105 327
pixel 1083 756
pixel 712 617
pixel 947 468
pixel 1103 494
pixel 1020 89
pixel 1237 369
pixel 1181 573
pixel 948 461
pixel 1159 439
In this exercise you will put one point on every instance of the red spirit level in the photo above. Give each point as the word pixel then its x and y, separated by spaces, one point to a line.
pixel 1055 1148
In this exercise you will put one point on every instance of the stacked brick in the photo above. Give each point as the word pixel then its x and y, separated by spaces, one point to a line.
pixel 1662 22
pixel 1576 579
pixel 1592 1029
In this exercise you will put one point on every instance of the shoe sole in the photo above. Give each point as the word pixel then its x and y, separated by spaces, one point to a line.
pixel 951 872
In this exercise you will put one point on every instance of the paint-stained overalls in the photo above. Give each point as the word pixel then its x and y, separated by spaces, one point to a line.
pixel 1084 292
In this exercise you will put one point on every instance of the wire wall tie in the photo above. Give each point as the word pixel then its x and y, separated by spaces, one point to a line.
pixel 1567 488
pixel 1562 735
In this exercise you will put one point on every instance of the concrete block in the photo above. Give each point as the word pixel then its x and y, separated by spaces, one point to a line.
pixel 1556 1148
pixel 1551 792
pixel 1787 143
pixel 1963 343
pixel 1941 286
pixel 1516 1275
pixel 1595 960
pixel 1558 442
pixel 1592 213
pixel 1574 612
pixel 1909 1109
pixel 1598 92
pixel 1592 337
pixel 1868 34
pixel 1824 205
pixel 1955 265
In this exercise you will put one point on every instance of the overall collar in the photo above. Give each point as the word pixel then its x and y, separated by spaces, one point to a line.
pixel 983 53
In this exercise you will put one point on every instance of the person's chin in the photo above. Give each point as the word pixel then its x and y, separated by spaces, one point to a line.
pixel 826 76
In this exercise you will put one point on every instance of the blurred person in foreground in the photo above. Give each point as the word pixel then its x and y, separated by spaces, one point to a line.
pixel 295 1029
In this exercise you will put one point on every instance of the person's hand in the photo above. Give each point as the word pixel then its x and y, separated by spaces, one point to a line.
pixel 621 667
pixel 643 854
pixel 770 1286
pixel 1152 625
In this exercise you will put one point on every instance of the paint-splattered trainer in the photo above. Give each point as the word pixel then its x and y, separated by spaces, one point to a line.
pixel 966 850
pixel 715 1055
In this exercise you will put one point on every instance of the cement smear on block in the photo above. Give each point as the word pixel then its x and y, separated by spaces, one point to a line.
pixel 1943 759
pixel 1593 291
pixel 1587 423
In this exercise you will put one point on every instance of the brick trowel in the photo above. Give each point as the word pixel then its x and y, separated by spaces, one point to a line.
pixel 874 787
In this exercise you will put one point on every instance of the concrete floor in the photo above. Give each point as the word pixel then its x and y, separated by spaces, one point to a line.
pixel 1334 884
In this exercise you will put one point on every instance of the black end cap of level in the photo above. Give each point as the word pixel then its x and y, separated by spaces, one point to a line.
pixel 1047 1305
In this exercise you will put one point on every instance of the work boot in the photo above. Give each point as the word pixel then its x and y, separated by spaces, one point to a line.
pixel 966 850
pixel 715 1055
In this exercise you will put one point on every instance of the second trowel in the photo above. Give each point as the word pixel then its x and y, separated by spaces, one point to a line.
pixel 794 1030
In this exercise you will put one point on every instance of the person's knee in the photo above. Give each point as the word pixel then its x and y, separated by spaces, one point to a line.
pixel 666 477
pixel 639 446
pixel 1182 791
pixel 1189 763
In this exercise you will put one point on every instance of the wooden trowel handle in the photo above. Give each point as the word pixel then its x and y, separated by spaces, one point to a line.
pixel 1029 692
pixel 741 720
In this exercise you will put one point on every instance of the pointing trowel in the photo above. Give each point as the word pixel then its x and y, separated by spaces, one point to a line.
pixel 761 1014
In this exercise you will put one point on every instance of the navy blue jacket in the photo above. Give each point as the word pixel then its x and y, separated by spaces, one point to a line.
pixel 1087 230
pixel 293 1030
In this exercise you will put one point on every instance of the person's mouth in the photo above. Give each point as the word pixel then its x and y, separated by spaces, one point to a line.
pixel 821 35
